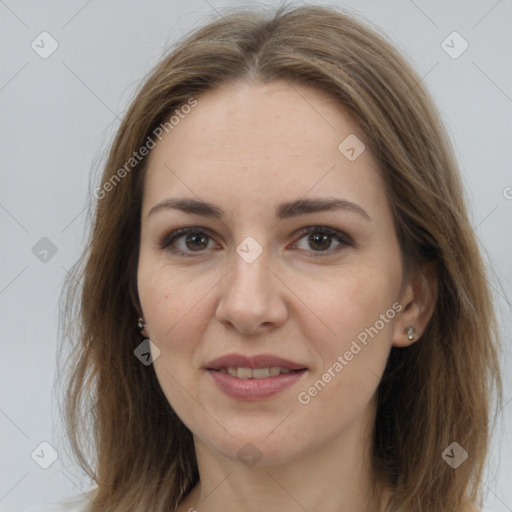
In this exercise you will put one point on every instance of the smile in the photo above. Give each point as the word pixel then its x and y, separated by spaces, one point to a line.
pixel 254 377
pixel 255 373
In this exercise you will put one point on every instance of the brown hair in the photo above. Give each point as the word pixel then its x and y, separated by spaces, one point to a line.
pixel 436 391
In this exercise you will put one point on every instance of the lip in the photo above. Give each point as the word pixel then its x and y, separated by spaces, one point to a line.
pixel 254 389
pixel 258 361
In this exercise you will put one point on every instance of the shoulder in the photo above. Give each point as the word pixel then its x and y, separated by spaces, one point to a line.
pixel 77 503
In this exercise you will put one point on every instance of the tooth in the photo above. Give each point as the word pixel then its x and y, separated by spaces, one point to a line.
pixel 274 370
pixel 260 373
pixel 232 372
pixel 285 370
pixel 223 370
pixel 244 373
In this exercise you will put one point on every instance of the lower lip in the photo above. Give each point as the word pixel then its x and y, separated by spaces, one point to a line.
pixel 254 389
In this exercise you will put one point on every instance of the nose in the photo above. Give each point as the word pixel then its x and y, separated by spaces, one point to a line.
pixel 252 298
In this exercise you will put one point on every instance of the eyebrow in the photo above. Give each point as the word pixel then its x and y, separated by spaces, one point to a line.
pixel 283 211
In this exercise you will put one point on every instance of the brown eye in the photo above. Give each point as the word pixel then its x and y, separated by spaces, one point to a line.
pixel 196 241
pixel 186 241
pixel 321 239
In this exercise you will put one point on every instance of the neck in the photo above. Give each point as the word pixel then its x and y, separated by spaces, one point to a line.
pixel 333 477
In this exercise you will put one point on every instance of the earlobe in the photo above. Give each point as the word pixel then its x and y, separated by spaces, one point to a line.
pixel 419 299
pixel 411 331
pixel 141 325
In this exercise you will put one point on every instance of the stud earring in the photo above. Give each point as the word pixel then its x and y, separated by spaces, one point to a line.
pixel 410 333
pixel 140 323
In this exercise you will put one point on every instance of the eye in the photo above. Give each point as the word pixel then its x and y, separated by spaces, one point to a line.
pixel 186 241
pixel 320 239
pixel 190 240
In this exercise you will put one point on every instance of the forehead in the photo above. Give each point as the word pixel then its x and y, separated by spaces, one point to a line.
pixel 248 145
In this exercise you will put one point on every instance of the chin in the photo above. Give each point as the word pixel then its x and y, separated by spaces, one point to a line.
pixel 257 444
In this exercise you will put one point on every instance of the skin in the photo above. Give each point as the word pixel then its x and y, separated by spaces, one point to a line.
pixel 246 148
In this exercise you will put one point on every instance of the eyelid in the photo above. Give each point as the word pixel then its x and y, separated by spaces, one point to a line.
pixel 165 241
pixel 340 236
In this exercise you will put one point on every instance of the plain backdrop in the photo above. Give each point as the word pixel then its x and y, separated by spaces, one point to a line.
pixel 59 112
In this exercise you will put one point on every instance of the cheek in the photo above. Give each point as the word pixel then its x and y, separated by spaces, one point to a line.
pixel 351 301
pixel 175 309
pixel 359 313
pixel 352 363
pixel 172 300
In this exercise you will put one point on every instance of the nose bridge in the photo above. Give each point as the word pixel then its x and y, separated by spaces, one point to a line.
pixel 249 275
pixel 250 296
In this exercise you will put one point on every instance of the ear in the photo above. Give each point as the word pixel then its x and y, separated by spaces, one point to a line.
pixel 418 300
pixel 143 331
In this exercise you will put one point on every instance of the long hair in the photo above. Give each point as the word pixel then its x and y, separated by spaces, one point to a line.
pixel 437 391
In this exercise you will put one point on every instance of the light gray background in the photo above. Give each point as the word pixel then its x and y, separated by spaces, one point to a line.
pixel 59 114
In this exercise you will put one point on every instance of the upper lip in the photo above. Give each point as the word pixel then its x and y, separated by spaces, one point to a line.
pixel 258 361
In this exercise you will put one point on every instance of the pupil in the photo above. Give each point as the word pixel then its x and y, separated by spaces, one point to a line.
pixel 321 240
pixel 196 239
pixel 199 241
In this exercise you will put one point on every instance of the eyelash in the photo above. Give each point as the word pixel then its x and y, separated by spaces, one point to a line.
pixel 339 236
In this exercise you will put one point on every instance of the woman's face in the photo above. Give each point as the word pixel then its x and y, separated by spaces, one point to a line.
pixel 273 316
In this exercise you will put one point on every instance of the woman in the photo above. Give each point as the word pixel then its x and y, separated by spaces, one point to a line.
pixel 282 303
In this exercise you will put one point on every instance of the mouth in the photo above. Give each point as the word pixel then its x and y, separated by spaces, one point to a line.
pixel 256 373
pixel 254 378
pixel 260 362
